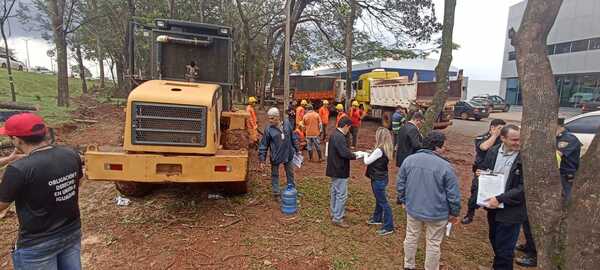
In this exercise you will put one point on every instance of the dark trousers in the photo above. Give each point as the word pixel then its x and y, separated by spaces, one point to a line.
pixel 567 185
pixel 383 211
pixel 503 237
pixel 289 175
pixel 530 248
pixel 472 202
pixel 324 133
pixel 354 133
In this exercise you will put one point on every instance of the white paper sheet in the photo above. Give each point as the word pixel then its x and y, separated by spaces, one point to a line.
pixel 298 159
pixel 490 185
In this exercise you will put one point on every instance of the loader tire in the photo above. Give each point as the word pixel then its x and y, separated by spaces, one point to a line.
pixel 133 189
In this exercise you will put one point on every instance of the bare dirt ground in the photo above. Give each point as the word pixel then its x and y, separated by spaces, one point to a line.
pixel 179 227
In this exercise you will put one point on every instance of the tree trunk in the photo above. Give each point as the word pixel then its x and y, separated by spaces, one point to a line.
pixel 99 52
pixel 583 243
pixel 172 9
pixel 56 10
pixel 79 55
pixel 123 63
pixel 298 8
pixel 538 136
pixel 348 42
pixel 441 70
pixel 8 67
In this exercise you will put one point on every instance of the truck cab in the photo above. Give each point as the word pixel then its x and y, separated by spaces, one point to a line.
pixel 363 85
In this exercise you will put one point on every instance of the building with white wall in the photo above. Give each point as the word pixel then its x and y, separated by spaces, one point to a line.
pixel 573 49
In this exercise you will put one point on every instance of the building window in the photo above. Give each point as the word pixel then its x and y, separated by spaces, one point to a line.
pixel 580 45
pixel 562 48
pixel 512 56
pixel 595 44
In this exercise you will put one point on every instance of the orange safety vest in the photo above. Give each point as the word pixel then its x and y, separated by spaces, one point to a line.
pixel 324 113
pixel 312 122
pixel 339 116
pixel 252 121
pixel 299 115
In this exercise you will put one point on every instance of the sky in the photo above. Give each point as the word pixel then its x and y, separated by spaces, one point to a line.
pixel 479 29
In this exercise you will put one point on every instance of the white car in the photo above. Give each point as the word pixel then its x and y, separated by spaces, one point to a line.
pixel 584 127
pixel 14 63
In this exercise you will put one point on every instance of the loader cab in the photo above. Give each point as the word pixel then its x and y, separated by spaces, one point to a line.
pixel 183 51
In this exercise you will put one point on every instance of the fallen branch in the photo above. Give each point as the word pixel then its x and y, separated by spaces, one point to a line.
pixel 85 121
pixel 14 106
pixel 213 227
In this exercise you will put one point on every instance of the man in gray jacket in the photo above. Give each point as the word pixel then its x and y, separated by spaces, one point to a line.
pixel 428 188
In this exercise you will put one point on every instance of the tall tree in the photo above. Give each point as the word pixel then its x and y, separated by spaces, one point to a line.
pixel 566 237
pixel 7 9
pixel 79 57
pixel 60 18
pixel 442 68
pixel 409 22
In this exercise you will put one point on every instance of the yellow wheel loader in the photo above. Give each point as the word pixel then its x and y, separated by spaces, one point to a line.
pixel 177 113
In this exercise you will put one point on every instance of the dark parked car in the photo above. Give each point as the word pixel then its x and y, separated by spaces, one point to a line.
pixel 493 102
pixel 591 106
pixel 470 109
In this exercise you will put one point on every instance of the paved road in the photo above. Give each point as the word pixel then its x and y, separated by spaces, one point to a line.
pixel 470 128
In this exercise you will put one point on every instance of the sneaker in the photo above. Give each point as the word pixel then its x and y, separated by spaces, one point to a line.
pixel 526 261
pixel 384 232
pixel 341 224
pixel 521 248
pixel 467 219
pixel 373 222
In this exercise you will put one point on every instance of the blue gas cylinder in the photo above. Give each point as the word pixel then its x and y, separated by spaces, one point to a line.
pixel 289 203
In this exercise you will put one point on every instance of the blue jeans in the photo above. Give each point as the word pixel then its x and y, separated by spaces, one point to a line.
pixel 313 143
pixel 289 174
pixel 503 237
pixel 383 211
pixel 62 252
pixel 338 197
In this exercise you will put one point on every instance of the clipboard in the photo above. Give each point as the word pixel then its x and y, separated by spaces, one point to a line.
pixel 490 185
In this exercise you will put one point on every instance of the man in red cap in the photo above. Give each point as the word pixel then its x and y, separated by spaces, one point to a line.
pixel 44 184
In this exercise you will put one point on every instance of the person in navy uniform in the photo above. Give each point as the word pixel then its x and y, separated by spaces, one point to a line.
pixel 569 149
pixel 483 143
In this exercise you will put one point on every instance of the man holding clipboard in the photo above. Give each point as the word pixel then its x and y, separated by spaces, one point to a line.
pixel 506 211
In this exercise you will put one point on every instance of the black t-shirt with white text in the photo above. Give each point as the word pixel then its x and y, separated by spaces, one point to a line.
pixel 45 188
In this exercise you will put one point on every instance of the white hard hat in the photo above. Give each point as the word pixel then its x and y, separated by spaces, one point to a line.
pixel 273 112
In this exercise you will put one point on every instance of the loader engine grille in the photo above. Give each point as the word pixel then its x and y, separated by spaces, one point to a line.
pixel 167 124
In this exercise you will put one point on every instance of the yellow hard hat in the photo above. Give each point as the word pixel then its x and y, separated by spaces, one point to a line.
pixel 339 107
pixel 303 102
pixel 355 103
pixel 325 102
pixel 251 100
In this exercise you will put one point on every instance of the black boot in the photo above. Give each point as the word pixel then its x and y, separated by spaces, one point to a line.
pixel 527 261
pixel 468 218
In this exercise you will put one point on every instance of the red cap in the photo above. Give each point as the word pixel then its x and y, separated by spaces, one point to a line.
pixel 24 124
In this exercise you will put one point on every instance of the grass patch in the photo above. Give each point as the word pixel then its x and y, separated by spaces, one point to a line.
pixel 40 89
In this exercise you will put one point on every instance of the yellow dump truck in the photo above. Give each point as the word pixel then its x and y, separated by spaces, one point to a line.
pixel 174 125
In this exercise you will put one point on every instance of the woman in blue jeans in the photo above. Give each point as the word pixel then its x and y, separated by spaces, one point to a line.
pixel 377 171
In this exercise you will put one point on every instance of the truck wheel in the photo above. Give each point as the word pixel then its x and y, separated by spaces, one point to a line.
pixel 506 108
pixel 464 116
pixel 237 188
pixel 133 189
